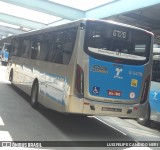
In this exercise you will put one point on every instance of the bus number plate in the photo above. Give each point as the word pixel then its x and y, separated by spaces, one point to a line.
pixel 111 109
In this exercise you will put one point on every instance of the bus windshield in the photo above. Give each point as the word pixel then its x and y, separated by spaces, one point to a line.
pixel 106 41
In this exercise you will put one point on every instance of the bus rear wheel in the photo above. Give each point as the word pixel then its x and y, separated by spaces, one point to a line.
pixel 146 120
pixel 11 77
pixel 34 95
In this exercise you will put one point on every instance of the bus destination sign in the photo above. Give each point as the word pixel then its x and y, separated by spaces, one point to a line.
pixel 119 34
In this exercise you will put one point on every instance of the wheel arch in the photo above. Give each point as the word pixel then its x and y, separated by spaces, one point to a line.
pixel 146 120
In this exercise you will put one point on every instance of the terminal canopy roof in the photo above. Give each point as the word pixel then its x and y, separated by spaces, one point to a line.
pixel 20 16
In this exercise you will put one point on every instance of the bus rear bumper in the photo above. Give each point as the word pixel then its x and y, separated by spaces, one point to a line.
pixel 113 109
pixel 89 107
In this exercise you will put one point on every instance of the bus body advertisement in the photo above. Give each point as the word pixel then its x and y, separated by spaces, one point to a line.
pixel 85 67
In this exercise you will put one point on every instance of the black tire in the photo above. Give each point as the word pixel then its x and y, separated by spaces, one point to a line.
pixel 146 120
pixel 11 77
pixel 34 95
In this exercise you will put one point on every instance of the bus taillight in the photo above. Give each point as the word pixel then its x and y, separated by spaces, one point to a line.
pixel 145 90
pixel 79 81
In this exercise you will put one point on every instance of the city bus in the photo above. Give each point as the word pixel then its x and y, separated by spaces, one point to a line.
pixel 5 54
pixel 153 111
pixel 88 67
pixel 4 50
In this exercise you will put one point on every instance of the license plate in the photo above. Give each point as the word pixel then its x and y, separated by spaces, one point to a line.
pixel 111 109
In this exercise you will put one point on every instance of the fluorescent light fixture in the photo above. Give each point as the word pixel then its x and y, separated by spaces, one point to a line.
pixel 82 4
pixel 10 34
pixel 25 13
pixel 5 136
pixel 1 122
pixel 26 29
pixel 9 25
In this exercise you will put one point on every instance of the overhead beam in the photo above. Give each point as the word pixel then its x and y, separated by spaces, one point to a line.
pixel 8 30
pixel 4 33
pixel 63 21
pixel 49 8
pixel 118 7
pixel 154 24
pixel 20 22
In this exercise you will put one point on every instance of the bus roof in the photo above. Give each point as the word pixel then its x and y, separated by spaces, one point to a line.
pixel 75 23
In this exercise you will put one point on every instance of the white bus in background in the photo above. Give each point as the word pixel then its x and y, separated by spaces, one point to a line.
pixel 153 111
pixel 85 67
pixel 5 54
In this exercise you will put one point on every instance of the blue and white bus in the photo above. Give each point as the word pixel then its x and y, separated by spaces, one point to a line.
pixel 5 54
pixel 153 111
pixel 85 67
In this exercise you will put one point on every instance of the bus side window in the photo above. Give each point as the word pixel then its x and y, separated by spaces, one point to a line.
pixel 67 51
pixel 33 51
pixel 52 51
pixel 60 44
pixel 68 44
pixel 35 48
pixel 16 47
pixel 26 49
pixel 58 47
pixel 58 56
pixel 45 46
pixel 44 50
pixel 13 49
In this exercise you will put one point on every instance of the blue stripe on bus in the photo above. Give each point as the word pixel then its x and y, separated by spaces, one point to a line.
pixel 56 100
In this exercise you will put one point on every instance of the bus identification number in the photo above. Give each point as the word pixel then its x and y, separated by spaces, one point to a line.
pixel 119 34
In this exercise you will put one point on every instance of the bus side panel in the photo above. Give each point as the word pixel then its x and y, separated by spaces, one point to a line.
pixel 17 72
pixel 27 75
pixel 53 84
pixel 154 100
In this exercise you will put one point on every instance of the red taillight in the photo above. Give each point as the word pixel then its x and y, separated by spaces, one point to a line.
pixel 79 81
pixel 145 90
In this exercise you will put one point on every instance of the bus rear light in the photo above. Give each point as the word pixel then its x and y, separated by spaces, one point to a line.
pixel 117 61
pixel 79 81
pixel 85 103
pixel 135 108
pixel 145 90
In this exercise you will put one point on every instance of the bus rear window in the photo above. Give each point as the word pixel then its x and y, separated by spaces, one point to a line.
pixel 106 41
